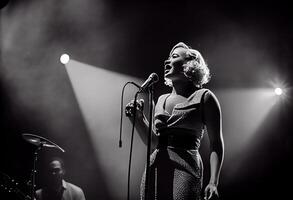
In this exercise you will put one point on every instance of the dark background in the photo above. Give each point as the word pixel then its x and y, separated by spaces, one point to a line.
pixel 245 43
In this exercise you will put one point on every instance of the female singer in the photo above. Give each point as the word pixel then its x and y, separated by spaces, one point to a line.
pixel 180 120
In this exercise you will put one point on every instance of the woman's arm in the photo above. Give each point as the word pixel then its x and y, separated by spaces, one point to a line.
pixel 213 122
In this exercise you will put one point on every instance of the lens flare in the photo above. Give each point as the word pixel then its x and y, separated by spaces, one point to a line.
pixel 278 91
pixel 64 58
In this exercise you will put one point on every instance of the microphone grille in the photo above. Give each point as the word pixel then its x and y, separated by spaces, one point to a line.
pixel 154 77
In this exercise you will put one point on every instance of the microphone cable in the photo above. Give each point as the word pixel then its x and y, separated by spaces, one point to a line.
pixel 121 110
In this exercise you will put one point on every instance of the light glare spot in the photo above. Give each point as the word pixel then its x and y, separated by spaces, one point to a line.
pixel 278 91
pixel 64 58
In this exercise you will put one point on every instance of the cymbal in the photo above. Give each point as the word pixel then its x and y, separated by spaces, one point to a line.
pixel 40 141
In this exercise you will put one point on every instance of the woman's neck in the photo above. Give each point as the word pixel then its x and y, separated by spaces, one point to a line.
pixel 183 88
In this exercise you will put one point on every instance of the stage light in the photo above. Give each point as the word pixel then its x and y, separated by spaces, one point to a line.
pixel 64 58
pixel 278 91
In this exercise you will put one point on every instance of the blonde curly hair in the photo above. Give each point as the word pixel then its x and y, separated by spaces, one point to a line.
pixel 195 69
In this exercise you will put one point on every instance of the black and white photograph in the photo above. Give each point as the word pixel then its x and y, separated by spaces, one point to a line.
pixel 146 100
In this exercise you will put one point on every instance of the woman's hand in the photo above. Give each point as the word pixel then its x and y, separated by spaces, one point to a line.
pixel 129 109
pixel 210 191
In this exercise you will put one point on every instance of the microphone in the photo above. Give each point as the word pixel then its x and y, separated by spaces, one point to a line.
pixel 153 78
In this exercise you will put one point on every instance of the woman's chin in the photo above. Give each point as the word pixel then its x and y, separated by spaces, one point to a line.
pixel 175 76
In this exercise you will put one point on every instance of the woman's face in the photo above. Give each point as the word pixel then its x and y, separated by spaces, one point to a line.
pixel 174 64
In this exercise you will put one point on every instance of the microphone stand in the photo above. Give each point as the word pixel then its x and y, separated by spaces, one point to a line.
pixel 34 171
pixel 151 94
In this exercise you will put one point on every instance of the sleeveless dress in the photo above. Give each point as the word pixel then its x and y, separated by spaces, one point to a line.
pixel 176 169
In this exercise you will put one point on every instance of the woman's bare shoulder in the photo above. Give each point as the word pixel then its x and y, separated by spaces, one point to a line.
pixel 211 100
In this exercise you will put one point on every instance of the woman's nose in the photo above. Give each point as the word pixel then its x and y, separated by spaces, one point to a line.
pixel 166 62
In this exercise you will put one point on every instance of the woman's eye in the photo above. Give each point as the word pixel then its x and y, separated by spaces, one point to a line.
pixel 175 55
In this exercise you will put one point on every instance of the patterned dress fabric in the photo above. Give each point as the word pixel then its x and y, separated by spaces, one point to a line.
pixel 176 168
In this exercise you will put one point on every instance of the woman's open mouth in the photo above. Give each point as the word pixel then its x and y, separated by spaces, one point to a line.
pixel 167 68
